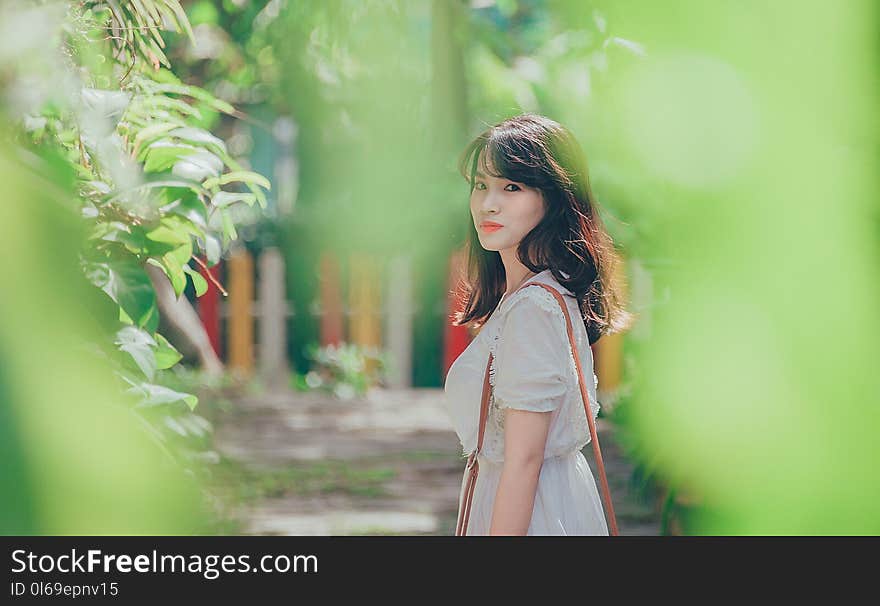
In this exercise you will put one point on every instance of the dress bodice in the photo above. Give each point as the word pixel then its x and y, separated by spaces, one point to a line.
pixel 533 369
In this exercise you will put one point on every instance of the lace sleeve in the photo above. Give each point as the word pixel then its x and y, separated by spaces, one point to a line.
pixel 529 363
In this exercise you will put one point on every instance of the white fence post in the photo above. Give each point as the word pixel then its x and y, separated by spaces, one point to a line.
pixel 273 320
pixel 399 324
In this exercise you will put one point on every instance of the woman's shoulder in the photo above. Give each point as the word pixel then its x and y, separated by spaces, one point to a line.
pixel 532 310
pixel 531 300
pixel 537 297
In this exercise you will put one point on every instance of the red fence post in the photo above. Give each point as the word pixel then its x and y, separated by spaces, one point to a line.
pixel 456 338
pixel 332 320
pixel 208 305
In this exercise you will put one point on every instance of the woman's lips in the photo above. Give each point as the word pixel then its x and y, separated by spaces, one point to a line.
pixel 490 227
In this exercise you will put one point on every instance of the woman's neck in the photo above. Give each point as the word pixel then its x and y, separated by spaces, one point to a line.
pixel 517 279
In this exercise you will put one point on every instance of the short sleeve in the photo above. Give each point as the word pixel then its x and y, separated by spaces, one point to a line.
pixel 529 354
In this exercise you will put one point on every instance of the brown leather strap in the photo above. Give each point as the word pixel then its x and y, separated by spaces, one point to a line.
pixel 586 399
pixel 472 468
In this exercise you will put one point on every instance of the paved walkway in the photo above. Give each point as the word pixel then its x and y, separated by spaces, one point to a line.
pixel 403 432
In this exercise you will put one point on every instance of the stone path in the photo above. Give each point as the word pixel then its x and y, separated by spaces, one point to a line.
pixel 405 432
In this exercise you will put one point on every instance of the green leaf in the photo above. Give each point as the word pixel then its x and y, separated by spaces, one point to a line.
pixel 135 241
pixel 152 103
pixel 182 20
pixel 156 395
pixel 212 250
pixel 108 104
pixel 244 176
pixel 139 345
pixel 136 10
pixel 198 165
pixel 199 282
pixel 162 155
pixel 174 263
pixel 128 285
pixel 158 184
pixel 182 254
pixel 146 135
pixel 191 208
pixel 175 274
pixel 196 93
pixel 168 235
pixel 261 197
pixel 194 424
pixel 175 230
pixel 198 135
pixel 157 50
pixel 229 232
pixel 166 355
pixel 111 231
pixel 172 424
pixel 123 317
pixel 151 320
pixel 225 198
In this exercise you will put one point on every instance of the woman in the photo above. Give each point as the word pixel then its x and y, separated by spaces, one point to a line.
pixel 535 220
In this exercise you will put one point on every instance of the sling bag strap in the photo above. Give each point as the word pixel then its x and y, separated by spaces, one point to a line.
pixel 472 467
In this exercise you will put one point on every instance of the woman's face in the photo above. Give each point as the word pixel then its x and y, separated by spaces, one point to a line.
pixel 515 206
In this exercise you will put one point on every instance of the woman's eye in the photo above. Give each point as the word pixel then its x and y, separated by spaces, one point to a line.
pixel 480 185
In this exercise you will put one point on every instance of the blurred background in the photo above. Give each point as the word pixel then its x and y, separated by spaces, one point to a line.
pixel 233 228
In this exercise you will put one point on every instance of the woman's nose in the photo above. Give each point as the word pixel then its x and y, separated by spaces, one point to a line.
pixel 489 203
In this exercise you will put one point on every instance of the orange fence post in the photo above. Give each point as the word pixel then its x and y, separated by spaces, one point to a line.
pixel 241 321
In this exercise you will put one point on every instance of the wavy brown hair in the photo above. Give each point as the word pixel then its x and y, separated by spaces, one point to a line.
pixel 571 238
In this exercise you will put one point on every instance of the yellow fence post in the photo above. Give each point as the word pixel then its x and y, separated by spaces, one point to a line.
pixel 609 354
pixel 364 302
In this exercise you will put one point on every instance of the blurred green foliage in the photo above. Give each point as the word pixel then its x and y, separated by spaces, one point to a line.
pixel 109 170
pixel 346 370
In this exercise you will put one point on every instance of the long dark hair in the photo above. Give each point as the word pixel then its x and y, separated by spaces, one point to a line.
pixel 570 239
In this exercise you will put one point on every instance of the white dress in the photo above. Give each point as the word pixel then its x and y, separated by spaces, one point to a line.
pixel 533 369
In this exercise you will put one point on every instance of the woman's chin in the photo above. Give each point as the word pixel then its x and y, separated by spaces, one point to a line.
pixel 489 243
